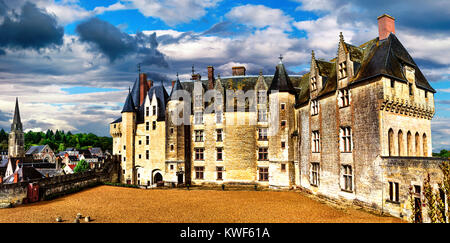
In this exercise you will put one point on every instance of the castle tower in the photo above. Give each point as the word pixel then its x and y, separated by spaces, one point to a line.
pixel 281 144
pixel 128 137
pixel 16 138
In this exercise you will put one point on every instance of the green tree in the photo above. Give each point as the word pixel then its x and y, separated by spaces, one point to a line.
pixel 82 166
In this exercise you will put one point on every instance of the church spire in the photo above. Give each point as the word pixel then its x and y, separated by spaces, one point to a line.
pixel 17 123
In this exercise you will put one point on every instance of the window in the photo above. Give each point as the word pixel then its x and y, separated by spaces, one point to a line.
pixel 219 115
pixel 409 144
pixel 283 167
pixel 198 118
pixel 344 98
pixel 313 83
pixel 283 144
pixel 411 92
pixel 283 106
pixel 425 145
pixel 219 135
pixel 140 156
pixel 343 69
pixel 199 153
pixel 198 100
pixel 199 170
pixel 154 125
pixel 392 83
pixel 171 130
pixel 262 115
pixel 219 173
pixel 314 107
pixel 263 174
pixel 261 97
pixel 140 142
pixel 171 147
pixel 147 126
pixel 401 150
pixel 315 142
pixel 391 142
pixel 346 139
pixel 219 153
pixel 426 94
pixel 315 174
pixel 394 192
pixel 124 147
pixel 262 134
pixel 263 154
pixel 171 167
pixel 347 176
pixel 115 125
pixel 154 110
pixel 147 112
pixel 147 154
pixel 147 140
pixel 124 159
pixel 199 135
pixel 283 124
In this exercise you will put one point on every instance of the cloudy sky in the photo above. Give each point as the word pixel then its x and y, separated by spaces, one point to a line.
pixel 71 62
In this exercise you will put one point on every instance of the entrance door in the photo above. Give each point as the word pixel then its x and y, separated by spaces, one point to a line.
pixel 180 178
pixel 158 178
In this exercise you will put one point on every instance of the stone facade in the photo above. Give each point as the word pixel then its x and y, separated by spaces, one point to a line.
pixel 348 130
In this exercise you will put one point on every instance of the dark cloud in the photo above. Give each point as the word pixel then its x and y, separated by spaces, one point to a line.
pixel 34 123
pixel 169 39
pixel 33 28
pixel 115 44
pixel 4 116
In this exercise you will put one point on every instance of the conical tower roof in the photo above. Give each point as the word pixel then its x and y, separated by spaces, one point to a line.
pixel 281 81
pixel 17 123
pixel 129 104
pixel 176 87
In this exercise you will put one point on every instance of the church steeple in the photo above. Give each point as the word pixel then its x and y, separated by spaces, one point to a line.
pixel 17 124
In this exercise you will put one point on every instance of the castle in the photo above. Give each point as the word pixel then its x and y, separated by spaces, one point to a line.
pixel 356 128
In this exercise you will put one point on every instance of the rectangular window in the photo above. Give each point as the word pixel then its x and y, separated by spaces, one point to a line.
pixel 154 110
pixel 219 153
pixel 315 142
pixel 283 124
pixel 198 117
pixel 346 140
pixel 171 147
pixel 261 96
pixel 154 125
pixel 147 126
pixel 411 92
pixel 140 142
pixel 219 173
pixel 392 83
pixel 171 167
pixel 263 154
pixel 313 83
pixel 147 112
pixel 283 167
pixel 147 154
pixel 348 177
pixel 314 107
pixel 219 135
pixel 147 140
pixel 315 175
pixel 262 115
pixel 262 134
pixel 394 192
pixel 199 153
pixel 198 135
pixel 344 98
pixel 199 170
pixel 283 144
pixel 263 174
pixel 140 156
pixel 219 115
pixel 343 69
pixel 283 106
pixel 198 100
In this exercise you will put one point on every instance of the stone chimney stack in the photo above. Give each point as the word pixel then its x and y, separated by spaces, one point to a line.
pixel 386 26
pixel 238 71
pixel 143 87
pixel 211 79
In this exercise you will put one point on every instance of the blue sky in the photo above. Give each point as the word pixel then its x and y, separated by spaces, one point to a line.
pixel 78 58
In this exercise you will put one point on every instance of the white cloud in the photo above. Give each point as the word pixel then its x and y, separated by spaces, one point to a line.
pixel 260 16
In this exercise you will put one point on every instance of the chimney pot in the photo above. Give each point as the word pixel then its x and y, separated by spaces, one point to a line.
pixel 386 26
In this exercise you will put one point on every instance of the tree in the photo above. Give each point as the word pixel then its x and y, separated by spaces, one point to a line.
pixel 82 166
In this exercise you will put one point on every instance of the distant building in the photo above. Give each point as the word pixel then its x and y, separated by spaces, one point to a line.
pixel 16 138
pixel 97 152
pixel 42 152
pixel 16 173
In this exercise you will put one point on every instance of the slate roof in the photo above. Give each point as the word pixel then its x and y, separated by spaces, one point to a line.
pixel 17 124
pixel 35 149
pixel 129 104
pixel 281 81
pixel 162 97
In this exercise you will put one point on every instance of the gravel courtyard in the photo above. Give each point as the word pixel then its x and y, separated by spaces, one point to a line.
pixel 128 205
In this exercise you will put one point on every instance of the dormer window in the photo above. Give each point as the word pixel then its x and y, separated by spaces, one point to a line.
pixel 343 70
pixel 313 83
pixel 344 98
pixel 154 110
pixel 314 107
pixel 261 97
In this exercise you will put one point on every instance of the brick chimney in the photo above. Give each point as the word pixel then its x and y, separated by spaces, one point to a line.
pixel 211 77
pixel 143 87
pixel 16 177
pixel 150 84
pixel 173 83
pixel 238 71
pixel 1 180
pixel 386 25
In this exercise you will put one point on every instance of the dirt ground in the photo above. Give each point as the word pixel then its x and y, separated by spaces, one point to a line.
pixel 128 205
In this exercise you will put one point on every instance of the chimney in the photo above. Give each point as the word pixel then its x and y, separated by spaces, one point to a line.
pixel 143 87
pixel 1 180
pixel 16 177
pixel 150 84
pixel 386 25
pixel 238 71
pixel 211 77
pixel 173 83
pixel 196 77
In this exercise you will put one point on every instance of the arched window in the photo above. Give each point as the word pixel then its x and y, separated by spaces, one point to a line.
pixel 401 150
pixel 417 144
pixel 391 142
pixel 409 143
pixel 425 145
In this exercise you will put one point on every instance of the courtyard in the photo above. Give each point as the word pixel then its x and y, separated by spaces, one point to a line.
pixel 108 204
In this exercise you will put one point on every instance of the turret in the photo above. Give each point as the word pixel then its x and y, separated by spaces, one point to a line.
pixel 129 130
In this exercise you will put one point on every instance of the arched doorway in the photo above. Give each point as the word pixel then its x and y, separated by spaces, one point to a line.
pixel 157 178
